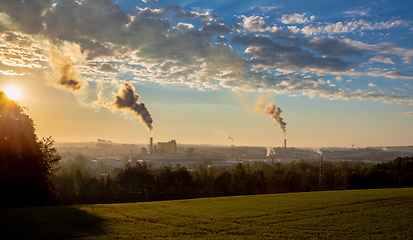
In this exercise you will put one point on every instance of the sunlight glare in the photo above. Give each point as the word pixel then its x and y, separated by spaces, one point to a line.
pixel 12 92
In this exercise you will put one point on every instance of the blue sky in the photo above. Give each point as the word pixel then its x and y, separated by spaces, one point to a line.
pixel 340 71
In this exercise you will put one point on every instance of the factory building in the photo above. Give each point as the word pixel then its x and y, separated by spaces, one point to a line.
pixel 167 147
pixel 144 151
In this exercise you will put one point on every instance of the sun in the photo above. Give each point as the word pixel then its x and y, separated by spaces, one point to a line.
pixel 12 92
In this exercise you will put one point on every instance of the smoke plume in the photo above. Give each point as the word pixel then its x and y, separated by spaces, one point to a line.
pixel 127 99
pixel 67 77
pixel 64 57
pixel 272 110
pixel 224 134
pixel 270 151
pixel 318 151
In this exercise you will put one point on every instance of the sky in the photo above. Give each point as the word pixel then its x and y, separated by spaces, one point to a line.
pixel 245 73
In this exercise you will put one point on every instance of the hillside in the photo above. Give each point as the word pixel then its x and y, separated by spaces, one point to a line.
pixel 360 214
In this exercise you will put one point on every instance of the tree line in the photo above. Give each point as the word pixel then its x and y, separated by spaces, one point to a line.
pixel 139 182
pixel 29 176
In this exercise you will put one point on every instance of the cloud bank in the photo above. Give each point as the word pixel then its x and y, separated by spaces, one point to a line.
pixel 293 54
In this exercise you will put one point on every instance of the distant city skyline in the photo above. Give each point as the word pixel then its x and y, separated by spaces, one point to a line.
pixel 317 73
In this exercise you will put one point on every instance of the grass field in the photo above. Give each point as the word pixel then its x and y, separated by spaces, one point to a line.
pixel 360 214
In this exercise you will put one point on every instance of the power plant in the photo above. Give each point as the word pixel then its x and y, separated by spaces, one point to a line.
pixel 168 148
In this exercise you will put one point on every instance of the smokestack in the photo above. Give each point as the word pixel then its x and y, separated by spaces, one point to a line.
pixel 285 147
pixel 150 145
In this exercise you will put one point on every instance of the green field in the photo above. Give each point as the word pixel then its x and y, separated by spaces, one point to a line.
pixel 368 214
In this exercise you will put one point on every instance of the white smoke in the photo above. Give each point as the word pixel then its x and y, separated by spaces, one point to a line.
pixel 270 151
pixel 223 134
pixel 318 151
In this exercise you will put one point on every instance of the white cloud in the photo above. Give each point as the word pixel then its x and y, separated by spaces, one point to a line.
pixel 382 59
pixel 363 24
pixel 350 26
pixel 255 24
pixel 21 51
pixel 372 85
pixel 312 30
pixel 408 113
pixel 383 48
pixel 10 73
pixel 360 12
pixel 184 26
pixel 293 29
pixel 267 9
pixel 147 46
pixel 296 18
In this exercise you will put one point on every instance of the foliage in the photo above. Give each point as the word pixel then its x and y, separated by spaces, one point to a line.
pixel 26 163
pixel 348 214
pixel 136 182
pixel 139 182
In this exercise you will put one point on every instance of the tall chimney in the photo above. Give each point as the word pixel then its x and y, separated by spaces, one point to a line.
pixel 150 145
pixel 285 147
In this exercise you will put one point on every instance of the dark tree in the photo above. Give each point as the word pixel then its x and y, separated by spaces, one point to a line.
pixel 65 185
pixel 239 179
pixel 26 163
pixel 223 184
pixel 258 182
pixel 165 183
pixel 183 182
pixel 136 182
pixel 291 181
pixel 276 182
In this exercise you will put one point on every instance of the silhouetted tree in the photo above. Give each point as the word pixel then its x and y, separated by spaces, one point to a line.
pixel 183 182
pixel 223 184
pixel 291 181
pixel 136 183
pixel 65 185
pixel 239 179
pixel 258 183
pixel 356 181
pixel 276 182
pixel 204 179
pixel 328 181
pixel 26 163
pixel 165 182
pixel 309 180
pixel 379 179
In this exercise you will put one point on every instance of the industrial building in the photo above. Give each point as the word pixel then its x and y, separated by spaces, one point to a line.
pixel 163 147
pixel 167 147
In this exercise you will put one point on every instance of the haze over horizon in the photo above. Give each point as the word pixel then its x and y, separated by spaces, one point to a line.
pixel 319 73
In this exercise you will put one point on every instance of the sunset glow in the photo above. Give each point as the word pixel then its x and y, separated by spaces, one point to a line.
pixel 12 93
pixel 325 73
